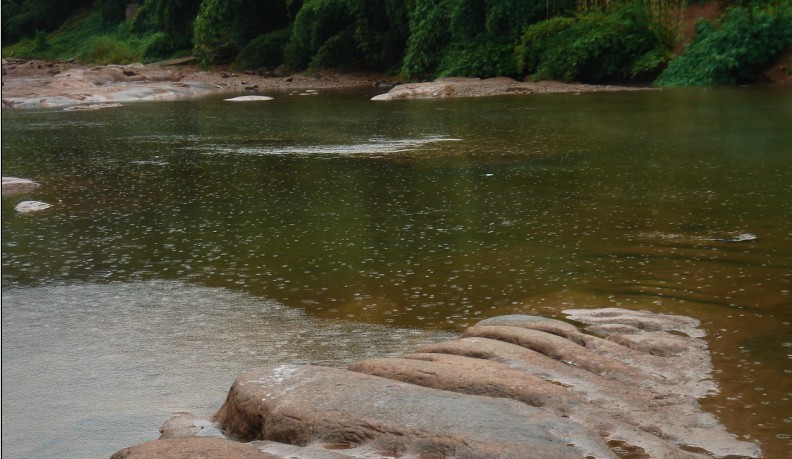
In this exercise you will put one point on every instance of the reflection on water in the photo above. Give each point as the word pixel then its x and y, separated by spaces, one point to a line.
pixel 434 214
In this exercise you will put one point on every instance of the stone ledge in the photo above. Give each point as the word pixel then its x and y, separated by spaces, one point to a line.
pixel 508 387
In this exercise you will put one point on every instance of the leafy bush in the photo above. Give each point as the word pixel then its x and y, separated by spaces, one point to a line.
pixel 470 37
pixel 23 18
pixel 348 34
pixel 160 46
pixel 223 27
pixel 735 49
pixel 106 49
pixel 264 51
pixel 479 60
pixel 594 47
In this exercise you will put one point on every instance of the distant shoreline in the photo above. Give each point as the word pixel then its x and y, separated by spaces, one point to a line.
pixel 43 84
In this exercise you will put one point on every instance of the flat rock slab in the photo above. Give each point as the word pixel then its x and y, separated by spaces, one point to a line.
pixel 248 99
pixel 509 387
pixel 475 87
pixel 15 185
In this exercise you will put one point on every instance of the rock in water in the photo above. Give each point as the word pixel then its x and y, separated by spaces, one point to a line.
pixel 25 207
pixel 248 99
pixel 509 387
pixel 301 405
pixel 15 185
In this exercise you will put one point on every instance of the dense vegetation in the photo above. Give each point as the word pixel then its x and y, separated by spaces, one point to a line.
pixel 582 40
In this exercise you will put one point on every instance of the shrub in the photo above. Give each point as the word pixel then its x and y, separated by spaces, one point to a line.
pixel 470 37
pixel 264 51
pixel 161 46
pixel 223 27
pixel 107 50
pixel 598 46
pixel 23 18
pixel 348 34
pixel 735 49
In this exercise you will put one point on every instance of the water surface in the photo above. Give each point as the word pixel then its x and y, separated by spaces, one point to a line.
pixel 178 227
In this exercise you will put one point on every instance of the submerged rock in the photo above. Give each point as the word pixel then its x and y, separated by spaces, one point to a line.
pixel 510 387
pixel 15 185
pixel 87 107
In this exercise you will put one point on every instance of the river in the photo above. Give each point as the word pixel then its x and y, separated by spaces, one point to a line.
pixel 191 241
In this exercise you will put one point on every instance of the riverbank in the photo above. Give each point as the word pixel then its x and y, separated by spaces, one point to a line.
pixel 41 84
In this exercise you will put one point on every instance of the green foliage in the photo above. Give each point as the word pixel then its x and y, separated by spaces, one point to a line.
pixel 600 42
pixel 41 42
pixel 735 49
pixel 106 49
pixel 264 51
pixel 470 37
pixel 598 46
pixel 223 27
pixel 480 60
pixel 348 34
pixel 173 17
pixel 160 46
pixel 23 18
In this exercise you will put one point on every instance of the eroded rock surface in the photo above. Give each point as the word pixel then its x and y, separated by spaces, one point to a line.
pixel 509 387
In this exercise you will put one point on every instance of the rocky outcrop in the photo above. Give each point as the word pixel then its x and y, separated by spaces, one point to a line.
pixel 510 387
pixel 31 85
pixel 475 87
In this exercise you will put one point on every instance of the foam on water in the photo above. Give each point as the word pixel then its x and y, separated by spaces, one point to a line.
pixel 370 146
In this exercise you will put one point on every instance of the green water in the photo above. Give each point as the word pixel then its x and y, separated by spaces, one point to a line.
pixel 418 215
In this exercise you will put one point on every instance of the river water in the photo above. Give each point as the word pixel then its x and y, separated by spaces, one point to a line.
pixel 192 241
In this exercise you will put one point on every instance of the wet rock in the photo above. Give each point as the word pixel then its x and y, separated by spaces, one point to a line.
pixel 190 448
pixel 302 405
pixel 511 387
pixel 88 107
pixel 186 425
pixel 15 185
pixel 26 207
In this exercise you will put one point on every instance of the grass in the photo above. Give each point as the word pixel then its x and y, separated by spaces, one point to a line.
pixel 88 38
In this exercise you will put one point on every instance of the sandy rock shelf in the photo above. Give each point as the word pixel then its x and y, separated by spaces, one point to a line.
pixel 509 387
pixel 38 84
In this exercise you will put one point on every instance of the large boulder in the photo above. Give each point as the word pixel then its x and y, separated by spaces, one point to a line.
pixel 303 405
pixel 509 387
